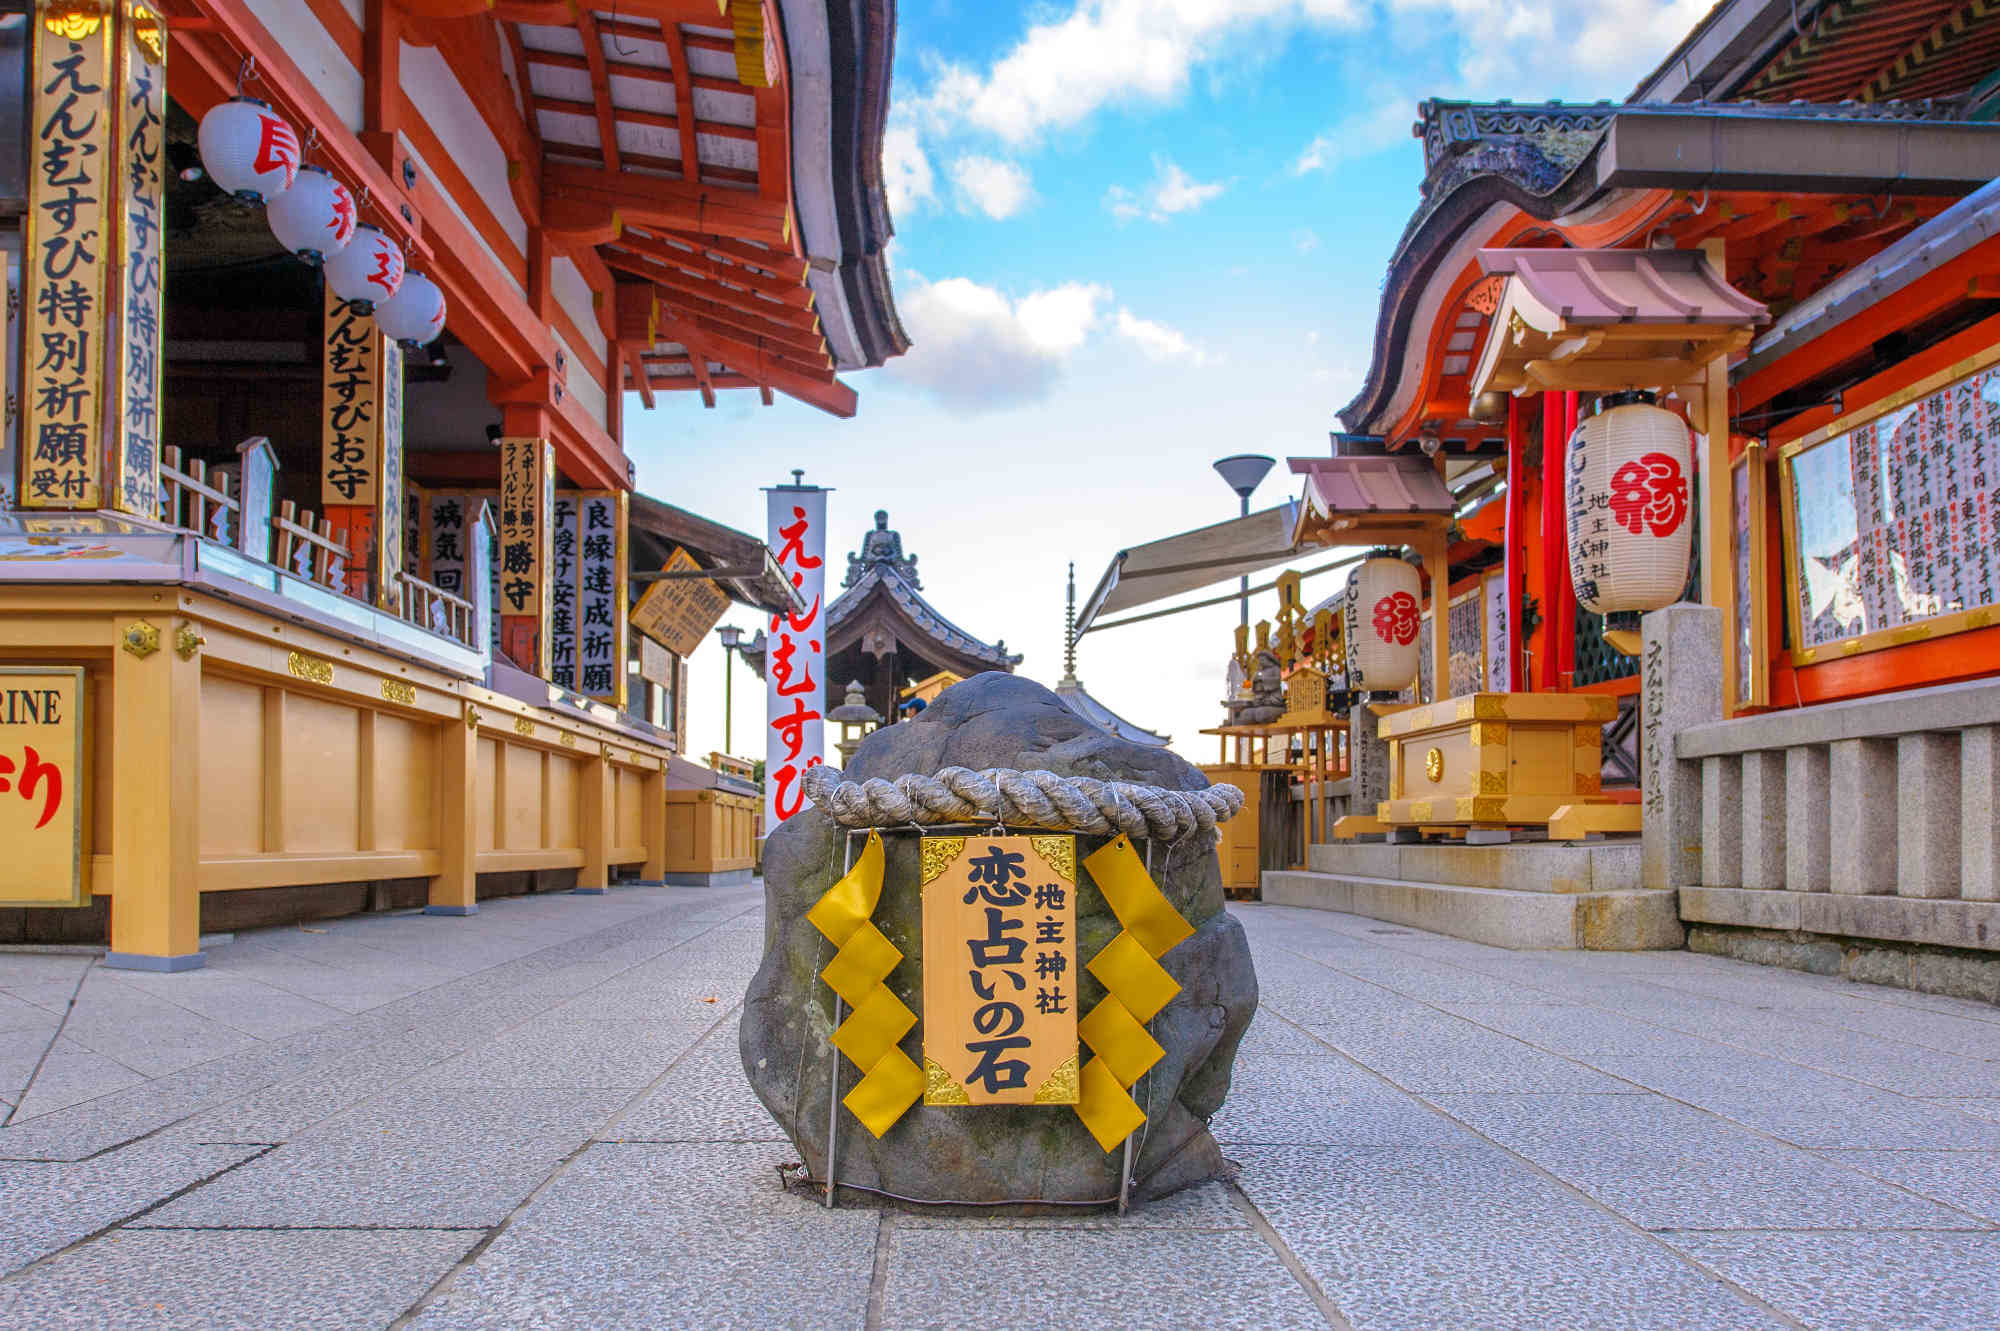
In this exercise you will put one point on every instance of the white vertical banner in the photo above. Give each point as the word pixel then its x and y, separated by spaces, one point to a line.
pixel 795 652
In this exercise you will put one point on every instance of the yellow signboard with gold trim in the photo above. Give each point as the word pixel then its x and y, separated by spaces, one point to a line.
pixel 42 786
pixel 1000 978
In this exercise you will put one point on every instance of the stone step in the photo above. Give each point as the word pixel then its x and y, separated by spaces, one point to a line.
pixel 1558 867
pixel 1625 920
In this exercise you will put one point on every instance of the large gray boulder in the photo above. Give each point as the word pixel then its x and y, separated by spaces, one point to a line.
pixel 993 1154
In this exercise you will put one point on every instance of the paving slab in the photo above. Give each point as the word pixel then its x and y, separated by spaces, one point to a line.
pixel 948 1279
pixel 52 1205
pixel 1664 1165
pixel 1862 1282
pixel 252 1280
pixel 1467 1236
pixel 668 1235
pixel 1966 1180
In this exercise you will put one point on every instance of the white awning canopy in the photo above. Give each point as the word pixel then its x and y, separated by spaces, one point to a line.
pixel 1193 560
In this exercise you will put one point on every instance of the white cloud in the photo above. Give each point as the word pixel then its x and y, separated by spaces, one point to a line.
pixel 972 347
pixel 906 170
pixel 1105 51
pixel 1384 125
pixel 1613 42
pixel 998 189
pixel 1305 240
pixel 1172 191
pixel 1157 341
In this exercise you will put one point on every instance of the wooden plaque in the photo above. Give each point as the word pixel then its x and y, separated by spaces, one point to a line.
pixel 1000 974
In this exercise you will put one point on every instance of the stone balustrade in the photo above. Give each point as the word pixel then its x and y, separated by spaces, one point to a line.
pixel 1869 819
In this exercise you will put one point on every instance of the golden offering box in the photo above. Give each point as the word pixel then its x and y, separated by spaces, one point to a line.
pixel 1495 759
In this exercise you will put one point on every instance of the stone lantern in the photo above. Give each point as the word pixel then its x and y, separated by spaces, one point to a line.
pixel 856 719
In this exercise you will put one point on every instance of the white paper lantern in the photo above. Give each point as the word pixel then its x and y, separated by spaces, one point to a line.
pixel 1381 613
pixel 1629 504
pixel 314 219
pixel 248 149
pixel 415 314
pixel 369 270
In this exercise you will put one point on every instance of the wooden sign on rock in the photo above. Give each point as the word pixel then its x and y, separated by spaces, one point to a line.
pixel 1000 978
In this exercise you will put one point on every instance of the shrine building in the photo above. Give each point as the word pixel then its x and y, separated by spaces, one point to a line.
pixel 1667 508
pixel 320 552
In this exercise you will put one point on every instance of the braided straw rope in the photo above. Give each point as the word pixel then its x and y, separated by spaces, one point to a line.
pixel 1024 799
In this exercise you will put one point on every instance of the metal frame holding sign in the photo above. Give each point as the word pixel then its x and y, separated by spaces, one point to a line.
pixel 42 785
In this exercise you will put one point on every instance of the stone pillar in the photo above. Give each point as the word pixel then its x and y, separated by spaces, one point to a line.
pixel 1862 782
pixel 1927 813
pixel 1808 820
pixel 1721 822
pixel 1764 822
pixel 1979 782
pixel 1368 761
pixel 1680 686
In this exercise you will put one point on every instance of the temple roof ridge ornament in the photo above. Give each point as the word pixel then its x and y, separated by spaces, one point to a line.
pixel 883 546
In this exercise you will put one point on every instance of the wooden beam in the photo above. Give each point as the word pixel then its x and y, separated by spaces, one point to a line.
pixel 682 287
pixel 683 102
pixel 1718 526
pixel 806 348
pixel 524 173
pixel 600 87
pixel 677 204
pixel 653 119
pixel 829 394
pixel 794 292
pixel 563 13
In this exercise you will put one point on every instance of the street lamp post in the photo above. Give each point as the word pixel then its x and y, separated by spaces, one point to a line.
pixel 1243 473
pixel 731 636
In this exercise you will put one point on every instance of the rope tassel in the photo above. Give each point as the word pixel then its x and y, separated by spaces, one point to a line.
pixel 862 960
pixel 1136 988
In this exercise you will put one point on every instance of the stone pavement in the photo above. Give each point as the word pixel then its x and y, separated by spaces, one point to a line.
pixel 534 1117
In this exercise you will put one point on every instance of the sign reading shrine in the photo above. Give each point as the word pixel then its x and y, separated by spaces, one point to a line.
pixel 1000 970
pixel 41 786
pixel 678 613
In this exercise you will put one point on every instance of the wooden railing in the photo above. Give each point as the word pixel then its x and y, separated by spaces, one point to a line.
pixel 431 607
pixel 231 504
pixel 308 547
pixel 194 500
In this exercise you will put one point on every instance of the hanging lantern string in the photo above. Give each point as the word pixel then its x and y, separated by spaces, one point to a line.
pixel 312 142
pixel 246 73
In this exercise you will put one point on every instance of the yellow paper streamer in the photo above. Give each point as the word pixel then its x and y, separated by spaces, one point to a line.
pixel 890 1082
pixel 1136 988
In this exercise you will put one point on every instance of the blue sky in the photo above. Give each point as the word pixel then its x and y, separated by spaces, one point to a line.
pixel 1132 236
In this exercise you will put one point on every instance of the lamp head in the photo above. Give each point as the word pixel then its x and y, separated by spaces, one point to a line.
pixel 1243 472
pixel 730 635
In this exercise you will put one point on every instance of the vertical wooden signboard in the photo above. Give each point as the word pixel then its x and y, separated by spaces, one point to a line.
pixel 41 786
pixel 351 377
pixel 389 552
pixel 132 476
pixel 601 597
pixel 1000 976
pixel 67 255
pixel 527 498
pixel 563 542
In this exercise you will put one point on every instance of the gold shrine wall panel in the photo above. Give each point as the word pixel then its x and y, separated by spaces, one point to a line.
pixel 315 761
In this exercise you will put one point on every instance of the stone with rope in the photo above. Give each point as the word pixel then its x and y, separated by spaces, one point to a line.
pixel 1031 799
pixel 997 748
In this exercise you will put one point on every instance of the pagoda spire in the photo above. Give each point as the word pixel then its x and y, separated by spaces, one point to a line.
pixel 1069 630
